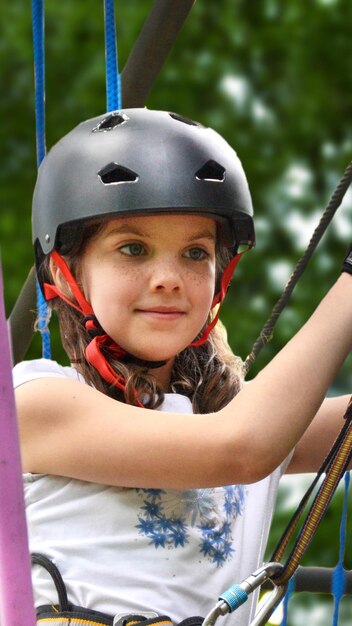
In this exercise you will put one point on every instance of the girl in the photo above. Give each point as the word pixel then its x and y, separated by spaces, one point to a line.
pixel 138 217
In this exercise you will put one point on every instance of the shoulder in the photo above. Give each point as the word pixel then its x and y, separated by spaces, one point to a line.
pixel 27 371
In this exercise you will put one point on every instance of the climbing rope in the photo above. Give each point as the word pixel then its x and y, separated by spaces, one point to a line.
pixel 267 331
pixel 334 467
pixel 313 518
pixel 113 79
pixel 339 577
pixel 39 87
pixel 39 75
pixel 337 461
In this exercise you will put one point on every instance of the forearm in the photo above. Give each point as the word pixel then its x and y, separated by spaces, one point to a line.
pixel 320 435
pixel 283 399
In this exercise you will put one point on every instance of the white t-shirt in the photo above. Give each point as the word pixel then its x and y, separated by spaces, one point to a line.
pixel 130 550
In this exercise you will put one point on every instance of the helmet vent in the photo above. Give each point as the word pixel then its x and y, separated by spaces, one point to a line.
pixel 184 120
pixel 113 174
pixel 111 121
pixel 211 171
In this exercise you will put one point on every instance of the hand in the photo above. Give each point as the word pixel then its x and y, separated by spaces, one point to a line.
pixel 347 264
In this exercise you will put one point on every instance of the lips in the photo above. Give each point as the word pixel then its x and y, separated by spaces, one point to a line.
pixel 162 312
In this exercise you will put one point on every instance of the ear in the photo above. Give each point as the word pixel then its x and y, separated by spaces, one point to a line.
pixel 59 280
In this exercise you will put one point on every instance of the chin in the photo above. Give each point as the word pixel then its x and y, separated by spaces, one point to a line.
pixel 152 356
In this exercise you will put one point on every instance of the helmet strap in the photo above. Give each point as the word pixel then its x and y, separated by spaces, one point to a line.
pixel 219 298
pixel 51 291
pixel 100 339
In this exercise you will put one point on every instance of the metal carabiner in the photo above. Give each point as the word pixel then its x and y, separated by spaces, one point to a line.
pixel 262 616
pixel 236 595
pixel 262 574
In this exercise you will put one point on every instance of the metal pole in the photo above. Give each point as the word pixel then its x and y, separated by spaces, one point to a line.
pixel 16 595
pixel 22 318
pixel 317 580
pixel 153 45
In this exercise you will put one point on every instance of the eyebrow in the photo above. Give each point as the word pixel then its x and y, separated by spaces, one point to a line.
pixel 203 234
pixel 133 230
pixel 125 229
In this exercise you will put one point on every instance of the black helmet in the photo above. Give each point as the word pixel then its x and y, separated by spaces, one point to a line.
pixel 139 161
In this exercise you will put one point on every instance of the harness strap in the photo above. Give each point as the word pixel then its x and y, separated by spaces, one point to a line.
pixel 43 561
pixel 79 616
pixel 220 295
pixel 67 614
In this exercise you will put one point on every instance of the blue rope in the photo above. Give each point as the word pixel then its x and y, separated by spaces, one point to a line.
pixel 39 75
pixel 339 577
pixel 338 584
pixel 42 322
pixel 288 594
pixel 39 86
pixel 113 79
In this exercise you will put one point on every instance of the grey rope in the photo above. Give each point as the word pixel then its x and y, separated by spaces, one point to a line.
pixel 267 332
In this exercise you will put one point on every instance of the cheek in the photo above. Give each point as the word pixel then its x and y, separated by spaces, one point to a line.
pixel 114 293
pixel 203 290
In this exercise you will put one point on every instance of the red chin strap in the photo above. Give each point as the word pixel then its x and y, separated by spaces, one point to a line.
pixel 99 339
pixel 219 297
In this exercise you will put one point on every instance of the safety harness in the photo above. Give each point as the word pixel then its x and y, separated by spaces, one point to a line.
pixel 66 614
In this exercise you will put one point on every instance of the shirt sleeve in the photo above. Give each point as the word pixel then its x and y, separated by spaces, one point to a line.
pixel 26 371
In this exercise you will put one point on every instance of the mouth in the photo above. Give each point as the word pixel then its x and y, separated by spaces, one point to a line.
pixel 162 313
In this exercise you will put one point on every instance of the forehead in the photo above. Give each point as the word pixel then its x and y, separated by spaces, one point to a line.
pixel 187 225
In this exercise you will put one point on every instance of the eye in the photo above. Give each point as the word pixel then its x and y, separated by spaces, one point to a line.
pixel 132 249
pixel 196 254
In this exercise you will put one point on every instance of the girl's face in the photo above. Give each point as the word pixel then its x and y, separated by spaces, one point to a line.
pixel 151 281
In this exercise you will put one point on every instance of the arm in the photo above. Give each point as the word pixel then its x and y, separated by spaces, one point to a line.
pixel 71 429
pixel 316 442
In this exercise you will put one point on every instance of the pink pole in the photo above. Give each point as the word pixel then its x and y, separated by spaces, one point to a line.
pixel 16 595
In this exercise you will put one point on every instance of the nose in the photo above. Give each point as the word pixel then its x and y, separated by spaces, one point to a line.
pixel 166 276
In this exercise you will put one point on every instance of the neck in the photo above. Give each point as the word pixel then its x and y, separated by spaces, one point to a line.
pixel 162 375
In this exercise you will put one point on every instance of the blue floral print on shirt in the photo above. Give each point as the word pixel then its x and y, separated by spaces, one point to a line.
pixel 165 519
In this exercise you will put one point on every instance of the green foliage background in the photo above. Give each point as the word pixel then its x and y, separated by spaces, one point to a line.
pixel 273 77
